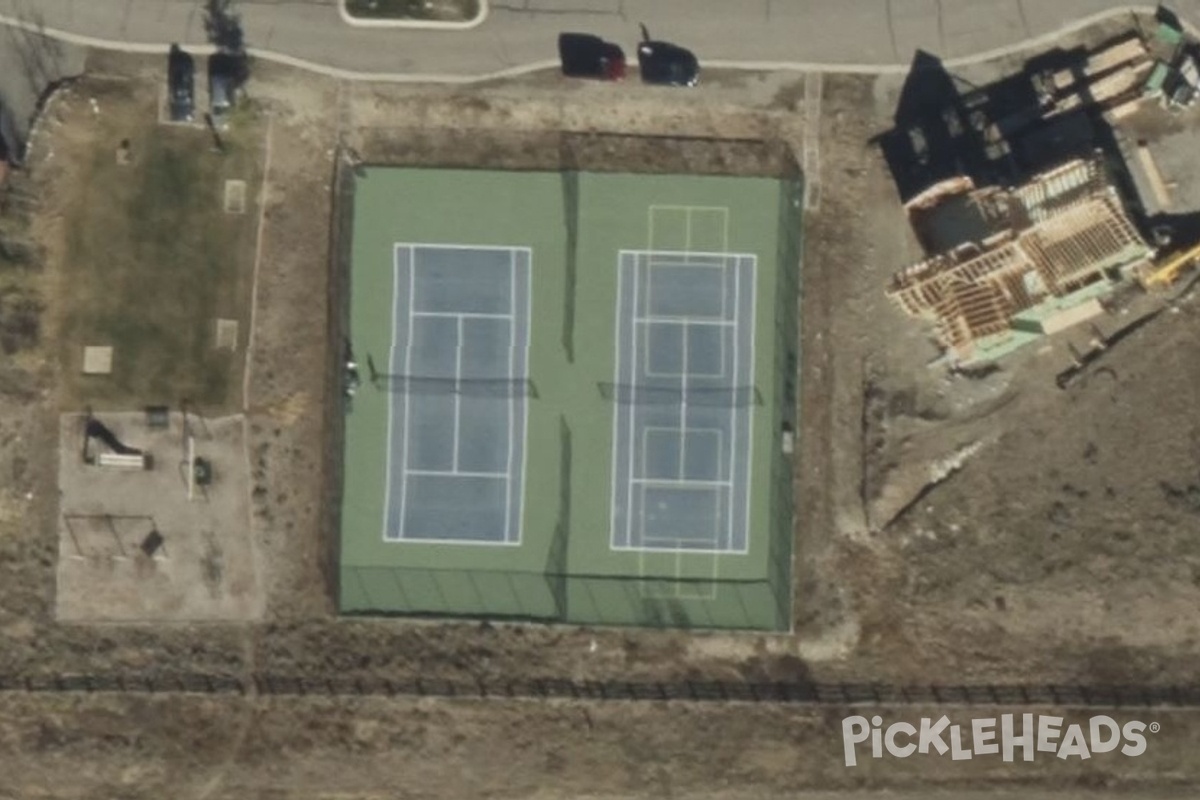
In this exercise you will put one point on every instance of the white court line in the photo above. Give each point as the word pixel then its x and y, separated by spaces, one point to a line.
pixel 617 328
pixel 444 246
pixel 690 551
pixel 675 320
pixel 683 381
pixel 462 314
pixel 735 411
pixel 412 293
pixel 463 542
pixel 683 483
pixel 633 382
pixel 687 229
pixel 457 394
pixel 387 464
pixel 686 258
pixel 685 254
pixel 669 207
pixel 455 473
pixel 525 401
pixel 512 348
pixel 750 424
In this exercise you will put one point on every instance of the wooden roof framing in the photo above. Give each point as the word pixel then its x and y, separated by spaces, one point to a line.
pixel 1073 230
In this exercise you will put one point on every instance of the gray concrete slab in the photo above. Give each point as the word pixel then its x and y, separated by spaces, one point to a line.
pixel 862 33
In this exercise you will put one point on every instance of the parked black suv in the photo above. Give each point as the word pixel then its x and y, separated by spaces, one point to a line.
pixel 586 56
pixel 181 85
pixel 665 63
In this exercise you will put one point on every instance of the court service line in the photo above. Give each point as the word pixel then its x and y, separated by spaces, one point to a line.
pixel 698 484
pixel 462 314
pixel 668 319
pixel 456 473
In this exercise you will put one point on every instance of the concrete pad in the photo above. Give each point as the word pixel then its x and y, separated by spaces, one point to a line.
pixel 227 334
pixel 235 197
pixel 97 360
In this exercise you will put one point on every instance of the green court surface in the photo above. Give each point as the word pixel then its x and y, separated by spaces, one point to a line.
pixel 561 565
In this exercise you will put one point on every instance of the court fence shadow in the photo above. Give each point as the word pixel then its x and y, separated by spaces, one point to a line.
pixel 834 695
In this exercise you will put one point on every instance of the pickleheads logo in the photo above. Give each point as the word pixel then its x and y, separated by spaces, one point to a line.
pixel 988 737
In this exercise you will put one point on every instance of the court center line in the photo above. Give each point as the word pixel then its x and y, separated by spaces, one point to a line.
pixel 458 376
pixel 734 416
pixel 683 381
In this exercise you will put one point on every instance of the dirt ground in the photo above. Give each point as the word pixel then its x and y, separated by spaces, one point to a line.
pixel 233 748
pixel 134 224
pixel 205 566
pixel 1063 550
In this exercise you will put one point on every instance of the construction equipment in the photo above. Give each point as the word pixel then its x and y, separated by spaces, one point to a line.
pixel 1165 273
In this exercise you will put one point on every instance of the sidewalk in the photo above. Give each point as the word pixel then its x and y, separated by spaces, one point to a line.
pixel 863 34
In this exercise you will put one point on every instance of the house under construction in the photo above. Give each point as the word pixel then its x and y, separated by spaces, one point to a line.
pixel 1012 264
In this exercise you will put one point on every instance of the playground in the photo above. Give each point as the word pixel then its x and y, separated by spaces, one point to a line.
pixel 145 536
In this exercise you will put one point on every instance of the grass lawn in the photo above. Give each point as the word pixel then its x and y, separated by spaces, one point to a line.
pixel 153 260
pixel 414 9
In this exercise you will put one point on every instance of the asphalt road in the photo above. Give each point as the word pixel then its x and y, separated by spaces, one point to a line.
pixel 857 33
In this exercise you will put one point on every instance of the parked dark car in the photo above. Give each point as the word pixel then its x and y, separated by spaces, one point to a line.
pixel 224 81
pixel 181 85
pixel 586 56
pixel 665 63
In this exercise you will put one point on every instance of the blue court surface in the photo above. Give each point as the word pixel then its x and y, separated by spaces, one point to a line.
pixel 456 423
pixel 684 378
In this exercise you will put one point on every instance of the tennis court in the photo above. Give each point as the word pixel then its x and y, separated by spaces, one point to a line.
pixel 575 398
pixel 682 423
pixel 456 420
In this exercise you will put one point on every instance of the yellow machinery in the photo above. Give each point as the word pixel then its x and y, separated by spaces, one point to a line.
pixel 1164 273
